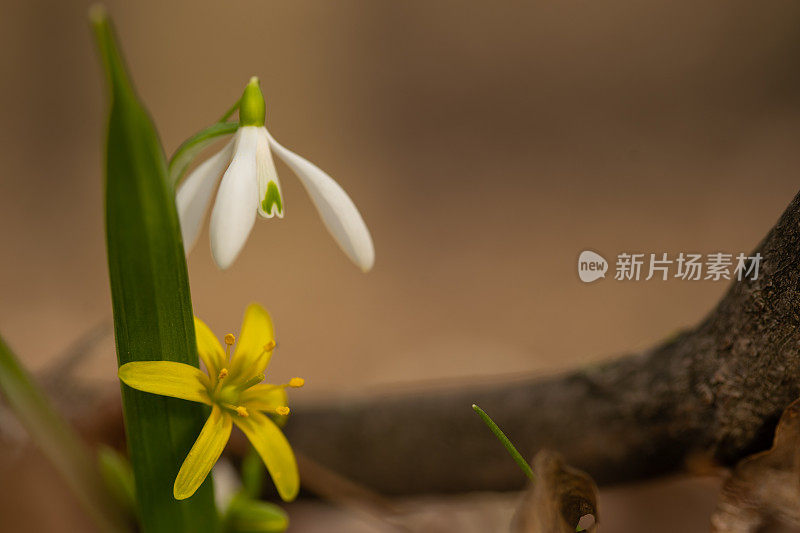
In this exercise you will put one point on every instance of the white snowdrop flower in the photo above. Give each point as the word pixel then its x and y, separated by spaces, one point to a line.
pixel 250 187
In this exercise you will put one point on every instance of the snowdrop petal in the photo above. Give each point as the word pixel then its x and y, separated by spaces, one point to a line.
pixel 337 210
pixel 270 198
pixel 194 194
pixel 234 211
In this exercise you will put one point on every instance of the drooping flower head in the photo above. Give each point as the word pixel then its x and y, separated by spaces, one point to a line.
pixel 250 187
pixel 232 386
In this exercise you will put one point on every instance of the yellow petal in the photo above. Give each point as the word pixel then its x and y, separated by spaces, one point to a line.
pixel 166 378
pixel 208 347
pixel 274 450
pixel 250 357
pixel 204 454
pixel 266 397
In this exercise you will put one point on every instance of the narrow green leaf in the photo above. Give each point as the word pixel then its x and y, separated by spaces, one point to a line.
pixel 118 476
pixel 150 299
pixel 195 144
pixel 59 443
pixel 521 462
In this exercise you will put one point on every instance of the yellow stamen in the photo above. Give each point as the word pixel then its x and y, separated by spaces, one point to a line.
pixel 296 383
pixel 223 374
pixel 241 411
pixel 282 410
pixel 229 340
pixel 269 346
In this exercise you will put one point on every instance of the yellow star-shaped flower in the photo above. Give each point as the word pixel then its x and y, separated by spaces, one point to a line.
pixel 234 390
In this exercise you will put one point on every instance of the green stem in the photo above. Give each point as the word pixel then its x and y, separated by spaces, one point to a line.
pixel 230 111
pixel 523 464
pixel 191 148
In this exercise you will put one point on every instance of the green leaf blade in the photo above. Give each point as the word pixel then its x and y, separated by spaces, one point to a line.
pixel 151 302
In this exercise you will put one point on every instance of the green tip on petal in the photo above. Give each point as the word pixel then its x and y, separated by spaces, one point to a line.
pixel 272 197
pixel 252 111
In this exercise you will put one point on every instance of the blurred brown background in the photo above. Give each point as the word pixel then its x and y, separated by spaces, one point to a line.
pixel 486 145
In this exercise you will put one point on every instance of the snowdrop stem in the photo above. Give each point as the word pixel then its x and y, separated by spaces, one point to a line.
pixel 230 111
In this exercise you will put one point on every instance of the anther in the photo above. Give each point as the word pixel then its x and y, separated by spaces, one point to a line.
pixel 230 339
pixel 223 374
pixel 296 383
pixel 269 346
pixel 241 411
pixel 282 410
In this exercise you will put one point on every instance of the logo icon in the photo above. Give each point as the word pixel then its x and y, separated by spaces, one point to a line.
pixel 591 266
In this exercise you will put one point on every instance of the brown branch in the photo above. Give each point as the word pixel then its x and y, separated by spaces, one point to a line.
pixel 717 389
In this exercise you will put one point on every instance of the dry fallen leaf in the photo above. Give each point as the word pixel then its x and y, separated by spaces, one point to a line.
pixel 764 486
pixel 557 499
